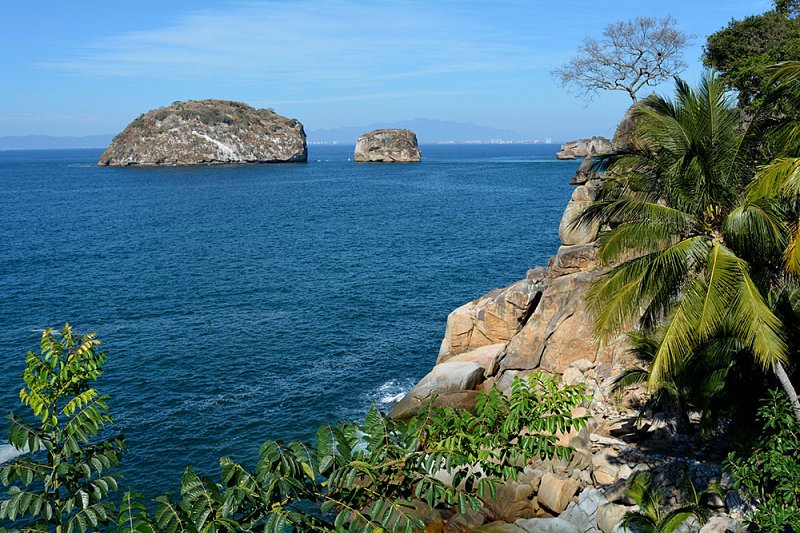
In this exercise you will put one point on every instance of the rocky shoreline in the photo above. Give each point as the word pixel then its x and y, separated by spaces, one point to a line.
pixel 541 323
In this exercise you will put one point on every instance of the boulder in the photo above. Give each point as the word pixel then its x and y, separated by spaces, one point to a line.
pixel 486 356
pixel 582 514
pixel 388 146
pixel 723 524
pixel 585 172
pixel 609 515
pixel 605 466
pixel 617 492
pixel 498 527
pixel 560 329
pixel 493 318
pixel 206 132
pixel 464 522
pixel 513 501
pixel 573 259
pixel 445 379
pixel 555 492
pixel 547 525
pixel 621 140
pixel 570 234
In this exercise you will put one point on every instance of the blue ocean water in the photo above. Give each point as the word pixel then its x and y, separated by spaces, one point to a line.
pixel 243 303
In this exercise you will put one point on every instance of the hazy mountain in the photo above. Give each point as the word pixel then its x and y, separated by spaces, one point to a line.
pixel 40 142
pixel 428 132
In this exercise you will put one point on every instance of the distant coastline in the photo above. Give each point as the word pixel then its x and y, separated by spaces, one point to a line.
pixel 429 131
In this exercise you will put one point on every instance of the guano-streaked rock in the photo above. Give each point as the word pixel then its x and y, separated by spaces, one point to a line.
pixel 207 132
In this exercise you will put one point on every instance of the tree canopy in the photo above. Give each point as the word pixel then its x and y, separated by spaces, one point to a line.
pixel 743 51
pixel 629 56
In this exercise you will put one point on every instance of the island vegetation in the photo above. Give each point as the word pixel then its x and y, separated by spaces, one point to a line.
pixel 698 215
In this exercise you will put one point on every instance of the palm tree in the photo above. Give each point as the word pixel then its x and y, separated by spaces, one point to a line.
pixel 694 248
pixel 697 383
pixel 651 516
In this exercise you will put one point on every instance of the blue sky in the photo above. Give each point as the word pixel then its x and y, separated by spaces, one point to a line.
pixel 89 67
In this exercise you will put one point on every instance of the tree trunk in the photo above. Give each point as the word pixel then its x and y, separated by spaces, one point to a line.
pixel 788 389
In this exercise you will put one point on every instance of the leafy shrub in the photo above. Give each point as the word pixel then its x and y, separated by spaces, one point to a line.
pixel 505 432
pixel 364 477
pixel 64 481
pixel 769 472
pixel 378 475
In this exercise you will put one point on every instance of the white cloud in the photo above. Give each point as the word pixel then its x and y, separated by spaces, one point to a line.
pixel 342 44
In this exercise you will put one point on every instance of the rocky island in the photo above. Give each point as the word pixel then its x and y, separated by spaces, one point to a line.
pixel 207 132
pixel 388 146
pixel 585 148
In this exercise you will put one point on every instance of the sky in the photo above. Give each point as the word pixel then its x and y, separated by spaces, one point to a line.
pixel 90 67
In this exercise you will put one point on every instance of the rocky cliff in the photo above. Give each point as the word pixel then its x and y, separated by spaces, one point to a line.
pixel 388 146
pixel 538 323
pixel 207 132
pixel 584 148
pixel 541 323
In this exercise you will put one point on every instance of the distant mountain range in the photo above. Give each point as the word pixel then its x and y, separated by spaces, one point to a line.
pixel 51 142
pixel 428 132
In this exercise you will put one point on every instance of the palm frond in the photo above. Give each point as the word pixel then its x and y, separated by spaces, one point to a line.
pixel 758 226
pixel 716 291
pixel 629 378
pixel 791 256
pixel 633 239
pixel 679 337
pixel 756 324
pixel 781 177
pixel 785 73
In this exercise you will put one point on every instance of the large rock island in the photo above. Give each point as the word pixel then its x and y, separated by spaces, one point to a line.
pixel 388 146
pixel 207 132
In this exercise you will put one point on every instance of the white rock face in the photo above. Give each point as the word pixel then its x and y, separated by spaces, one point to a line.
pixel 388 146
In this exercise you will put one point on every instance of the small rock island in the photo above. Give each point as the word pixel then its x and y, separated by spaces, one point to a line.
pixel 207 132
pixel 388 146
pixel 584 148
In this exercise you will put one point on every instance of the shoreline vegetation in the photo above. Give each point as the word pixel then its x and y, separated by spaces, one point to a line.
pixel 613 390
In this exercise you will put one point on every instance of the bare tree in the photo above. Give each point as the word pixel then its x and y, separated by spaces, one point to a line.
pixel 629 56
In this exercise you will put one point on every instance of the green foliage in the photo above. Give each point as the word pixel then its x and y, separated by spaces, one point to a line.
pixel 506 432
pixel 64 481
pixel 683 233
pixel 769 472
pixel 652 517
pixel 696 383
pixel 376 475
pixel 744 50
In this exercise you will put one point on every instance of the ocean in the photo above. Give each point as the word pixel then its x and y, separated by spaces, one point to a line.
pixel 244 303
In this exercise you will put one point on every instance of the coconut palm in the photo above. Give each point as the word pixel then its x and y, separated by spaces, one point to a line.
pixel 698 383
pixel 652 516
pixel 694 249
